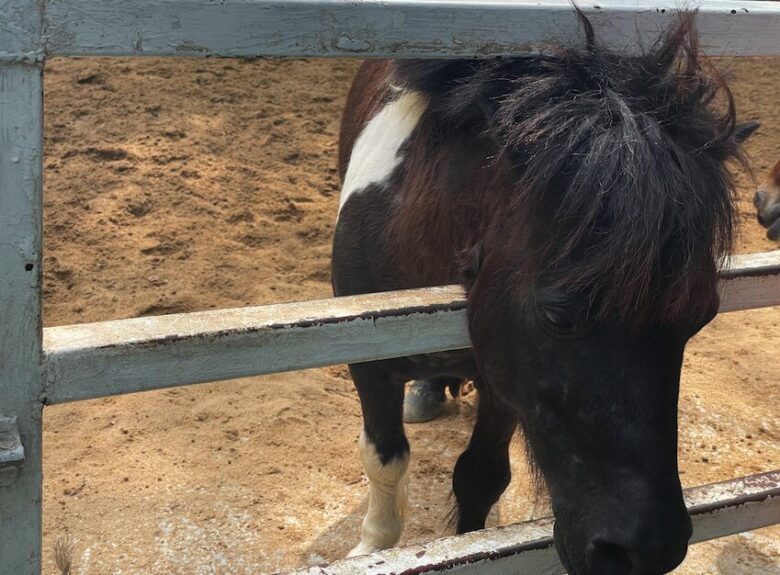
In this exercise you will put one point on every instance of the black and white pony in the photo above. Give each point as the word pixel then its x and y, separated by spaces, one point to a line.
pixel 582 199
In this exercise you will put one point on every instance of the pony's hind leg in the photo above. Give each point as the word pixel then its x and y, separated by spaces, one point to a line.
pixel 482 471
pixel 384 450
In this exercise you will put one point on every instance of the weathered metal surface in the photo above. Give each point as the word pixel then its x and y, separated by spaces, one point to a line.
pixel 20 31
pixel 11 451
pixel 108 358
pixel 397 28
pixel 734 506
pixel 716 510
pixel 98 359
pixel 21 113
pixel 750 281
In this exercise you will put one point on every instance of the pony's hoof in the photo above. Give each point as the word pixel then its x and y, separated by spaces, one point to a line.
pixel 424 401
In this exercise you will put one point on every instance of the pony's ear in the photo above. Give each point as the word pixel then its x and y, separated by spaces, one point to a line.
pixel 432 77
pixel 744 130
pixel 460 90
pixel 471 262
pixel 489 107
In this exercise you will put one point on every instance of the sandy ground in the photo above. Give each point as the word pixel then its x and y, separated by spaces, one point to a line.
pixel 181 185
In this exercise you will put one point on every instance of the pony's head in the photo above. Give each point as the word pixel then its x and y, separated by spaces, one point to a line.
pixel 596 262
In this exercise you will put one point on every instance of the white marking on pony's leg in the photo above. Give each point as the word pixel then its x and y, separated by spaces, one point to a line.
pixel 387 500
pixel 375 155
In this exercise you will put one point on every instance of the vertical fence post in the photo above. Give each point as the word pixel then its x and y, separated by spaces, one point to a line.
pixel 21 130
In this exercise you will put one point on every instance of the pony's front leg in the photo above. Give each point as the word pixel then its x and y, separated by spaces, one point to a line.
pixel 482 472
pixel 385 454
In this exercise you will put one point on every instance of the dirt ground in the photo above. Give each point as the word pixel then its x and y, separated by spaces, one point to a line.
pixel 182 185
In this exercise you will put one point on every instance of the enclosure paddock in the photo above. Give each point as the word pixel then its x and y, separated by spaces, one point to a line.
pixel 40 367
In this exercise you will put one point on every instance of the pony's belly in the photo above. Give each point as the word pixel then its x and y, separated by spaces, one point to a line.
pixel 456 363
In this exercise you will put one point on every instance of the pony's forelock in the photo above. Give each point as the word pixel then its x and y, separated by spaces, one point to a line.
pixel 621 191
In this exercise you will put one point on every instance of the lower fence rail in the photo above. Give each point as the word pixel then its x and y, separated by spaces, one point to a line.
pixel 717 510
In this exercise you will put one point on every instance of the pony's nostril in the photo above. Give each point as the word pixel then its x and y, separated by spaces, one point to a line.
pixel 606 558
pixel 758 199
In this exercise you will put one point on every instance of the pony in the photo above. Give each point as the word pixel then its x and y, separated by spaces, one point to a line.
pixel 581 197
pixel 767 203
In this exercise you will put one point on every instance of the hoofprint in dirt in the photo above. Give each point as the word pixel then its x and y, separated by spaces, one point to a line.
pixel 180 185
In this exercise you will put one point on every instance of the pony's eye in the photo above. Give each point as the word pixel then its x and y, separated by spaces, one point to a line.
pixel 557 319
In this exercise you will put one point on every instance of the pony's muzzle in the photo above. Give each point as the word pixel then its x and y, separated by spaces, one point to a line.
pixel 635 549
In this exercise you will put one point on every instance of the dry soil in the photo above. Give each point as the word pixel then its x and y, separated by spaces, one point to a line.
pixel 182 185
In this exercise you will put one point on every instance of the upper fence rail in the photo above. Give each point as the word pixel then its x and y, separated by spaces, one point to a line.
pixel 34 29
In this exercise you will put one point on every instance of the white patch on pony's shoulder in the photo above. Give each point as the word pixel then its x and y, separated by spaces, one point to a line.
pixel 387 500
pixel 375 153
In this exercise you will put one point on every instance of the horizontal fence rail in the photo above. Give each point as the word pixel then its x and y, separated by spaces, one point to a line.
pixel 717 510
pixel 108 358
pixel 376 28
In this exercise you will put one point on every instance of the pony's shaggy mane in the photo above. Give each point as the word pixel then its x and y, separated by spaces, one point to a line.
pixel 619 186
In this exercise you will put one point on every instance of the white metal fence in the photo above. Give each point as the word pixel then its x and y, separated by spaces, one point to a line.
pixel 46 366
